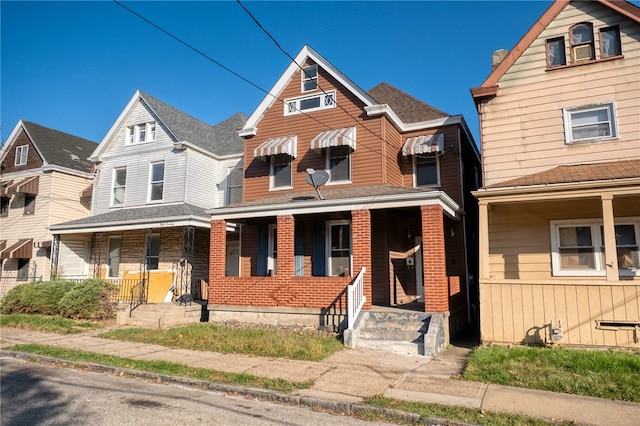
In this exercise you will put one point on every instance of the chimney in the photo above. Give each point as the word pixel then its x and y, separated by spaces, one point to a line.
pixel 497 57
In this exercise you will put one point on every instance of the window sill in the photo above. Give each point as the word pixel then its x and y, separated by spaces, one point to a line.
pixel 577 64
pixel 594 140
pixel 281 188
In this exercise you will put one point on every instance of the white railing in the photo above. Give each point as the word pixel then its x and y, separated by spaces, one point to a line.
pixel 355 298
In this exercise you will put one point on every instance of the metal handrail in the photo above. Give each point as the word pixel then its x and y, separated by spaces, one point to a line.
pixel 355 299
pixel 140 299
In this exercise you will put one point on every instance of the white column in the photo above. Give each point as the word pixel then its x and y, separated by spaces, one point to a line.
pixel 610 252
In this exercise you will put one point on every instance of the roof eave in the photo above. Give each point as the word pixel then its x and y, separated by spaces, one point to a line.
pixel 162 222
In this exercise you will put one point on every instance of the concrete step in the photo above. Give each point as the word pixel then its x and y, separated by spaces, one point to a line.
pixel 395 346
pixel 391 334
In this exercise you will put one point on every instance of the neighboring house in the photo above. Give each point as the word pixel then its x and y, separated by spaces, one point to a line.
pixel 560 206
pixel 45 175
pixel 157 171
pixel 397 205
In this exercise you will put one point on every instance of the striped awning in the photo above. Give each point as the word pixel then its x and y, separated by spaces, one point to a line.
pixel 28 185
pixel 87 192
pixel 425 144
pixel 280 145
pixel 4 187
pixel 21 249
pixel 335 137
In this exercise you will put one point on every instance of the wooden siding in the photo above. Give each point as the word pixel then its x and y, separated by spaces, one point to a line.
pixel 523 128
pixel 519 311
pixel 33 159
pixel 66 203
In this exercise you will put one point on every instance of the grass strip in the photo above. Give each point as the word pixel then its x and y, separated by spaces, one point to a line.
pixel 461 414
pixel 164 367
pixel 52 324
pixel 602 374
pixel 303 346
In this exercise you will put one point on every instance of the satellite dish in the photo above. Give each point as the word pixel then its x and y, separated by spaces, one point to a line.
pixel 317 178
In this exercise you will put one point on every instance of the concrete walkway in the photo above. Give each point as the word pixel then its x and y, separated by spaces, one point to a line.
pixel 352 374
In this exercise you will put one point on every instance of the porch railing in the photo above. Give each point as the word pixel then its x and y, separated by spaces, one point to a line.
pixel 121 294
pixel 355 299
pixel 138 296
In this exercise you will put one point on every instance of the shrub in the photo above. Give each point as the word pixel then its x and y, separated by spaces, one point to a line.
pixel 35 298
pixel 90 299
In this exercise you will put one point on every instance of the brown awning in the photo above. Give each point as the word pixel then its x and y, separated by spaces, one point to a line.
pixel 87 192
pixel 28 186
pixel 21 249
pixel 4 187
pixel 3 244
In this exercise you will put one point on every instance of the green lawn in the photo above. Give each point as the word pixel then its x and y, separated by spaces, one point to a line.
pixel 49 324
pixel 307 346
pixel 598 373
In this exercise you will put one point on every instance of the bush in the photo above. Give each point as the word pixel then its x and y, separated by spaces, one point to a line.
pixel 90 299
pixel 35 298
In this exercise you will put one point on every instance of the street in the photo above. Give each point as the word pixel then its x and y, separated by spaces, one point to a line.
pixel 40 394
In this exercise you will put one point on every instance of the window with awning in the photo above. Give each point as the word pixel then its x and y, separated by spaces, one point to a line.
pixel 345 136
pixel 28 185
pixel 279 145
pixel 4 188
pixel 21 249
pixel 424 144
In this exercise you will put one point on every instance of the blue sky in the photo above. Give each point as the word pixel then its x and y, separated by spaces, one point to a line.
pixel 73 66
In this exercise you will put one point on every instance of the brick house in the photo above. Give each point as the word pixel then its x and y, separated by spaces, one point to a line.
pixel 393 212
pixel 45 174
pixel 560 206
pixel 156 172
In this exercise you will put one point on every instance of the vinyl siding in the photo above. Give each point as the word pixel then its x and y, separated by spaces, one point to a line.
pixel 523 129
pixel 66 203
pixel 206 183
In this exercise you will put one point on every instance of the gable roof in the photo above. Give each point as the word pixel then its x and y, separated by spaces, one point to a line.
pixel 389 98
pixel 54 147
pixel 220 140
pixel 408 108
pixel 489 87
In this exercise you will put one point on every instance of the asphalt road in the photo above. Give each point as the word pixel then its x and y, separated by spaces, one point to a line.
pixel 39 394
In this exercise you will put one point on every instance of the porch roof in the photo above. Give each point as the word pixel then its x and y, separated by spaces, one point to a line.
pixel 137 218
pixel 338 199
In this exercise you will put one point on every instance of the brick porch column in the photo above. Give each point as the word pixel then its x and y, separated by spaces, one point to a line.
pixel 286 259
pixel 436 289
pixel 361 249
pixel 217 252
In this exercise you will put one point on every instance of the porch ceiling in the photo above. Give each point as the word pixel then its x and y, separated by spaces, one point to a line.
pixel 336 200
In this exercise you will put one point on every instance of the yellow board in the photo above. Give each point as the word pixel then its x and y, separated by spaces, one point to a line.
pixel 159 284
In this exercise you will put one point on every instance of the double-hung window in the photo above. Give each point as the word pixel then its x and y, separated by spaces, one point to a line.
pixel 556 54
pixel 578 247
pixel 152 251
pixel 21 155
pixel 339 163
pixel 610 42
pixel 426 172
pixel 590 122
pixel 280 171
pixel 156 181
pixel 119 186
pixel 309 78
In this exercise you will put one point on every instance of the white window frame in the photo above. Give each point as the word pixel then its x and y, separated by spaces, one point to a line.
pixel 328 250
pixel 152 182
pixel 312 71
pixel 114 186
pixel 230 186
pixel 272 249
pixel 608 106
pixel 599 269
pixel 292 106
pixel 134 132
pixel 415 172
pixel 22 155
pixel 329 168
pixel 272 177
pixel 109 247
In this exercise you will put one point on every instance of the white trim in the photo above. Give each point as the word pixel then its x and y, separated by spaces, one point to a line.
pixel 114 173
pixel 331 181
pixel 425 198
pixel 127 225
pixel 151 181
pixel 328 250
pixel 26 155
pixel 272 176
pixel 272 262
pixel 608 106
pixel 326 100
pixel 415 172
pixel 311 78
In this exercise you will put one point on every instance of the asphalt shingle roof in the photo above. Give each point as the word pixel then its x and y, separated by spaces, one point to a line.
pixel 221 139
pixel 61 149
pixel 577 173
pixel 408 108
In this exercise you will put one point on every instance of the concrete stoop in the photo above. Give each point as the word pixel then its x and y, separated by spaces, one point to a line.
pixel 415 333
pixel 159 315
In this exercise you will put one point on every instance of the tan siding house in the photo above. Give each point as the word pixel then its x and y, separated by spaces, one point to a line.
pixel 45 175
pixel 560 206
pixel 389 215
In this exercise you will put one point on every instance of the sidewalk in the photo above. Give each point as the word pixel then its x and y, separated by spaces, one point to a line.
pixel 352 374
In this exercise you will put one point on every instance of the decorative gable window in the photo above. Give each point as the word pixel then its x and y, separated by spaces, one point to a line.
pixel 156 181
pixel 119 186
pixel 21 155
pixel 610 42
pixel 582 46
pixel 140 133
pixel 309 78
pixel 590 122
pixel 310 103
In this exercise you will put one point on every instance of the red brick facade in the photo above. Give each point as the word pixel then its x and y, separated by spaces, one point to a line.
pixel 436 287
pixel 361 238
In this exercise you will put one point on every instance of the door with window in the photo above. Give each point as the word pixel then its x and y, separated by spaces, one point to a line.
pixel 338 248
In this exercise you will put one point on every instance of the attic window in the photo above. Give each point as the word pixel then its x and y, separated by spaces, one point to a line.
pixel 309 78
pixel 610 42
pixel 581 36
pixel 140 133
pixel 325 100
pixel 21 155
